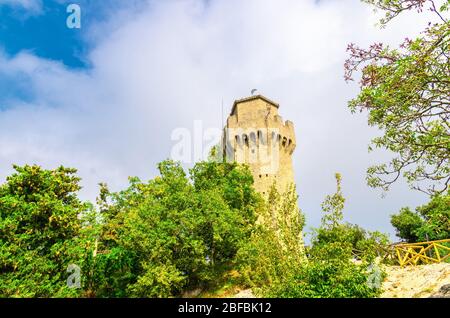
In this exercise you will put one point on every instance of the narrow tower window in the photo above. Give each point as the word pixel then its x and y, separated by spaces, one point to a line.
pixel 245 139
pixel 261 137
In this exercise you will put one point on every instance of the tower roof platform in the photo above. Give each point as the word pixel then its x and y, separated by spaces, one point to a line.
pixel 250 98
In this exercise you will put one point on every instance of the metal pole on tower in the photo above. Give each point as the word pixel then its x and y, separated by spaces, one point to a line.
pixel 222 112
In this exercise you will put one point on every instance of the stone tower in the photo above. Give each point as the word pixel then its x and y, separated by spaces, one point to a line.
pixel 256 135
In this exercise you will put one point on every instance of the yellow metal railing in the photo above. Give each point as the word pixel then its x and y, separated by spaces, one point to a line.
pixel 422 252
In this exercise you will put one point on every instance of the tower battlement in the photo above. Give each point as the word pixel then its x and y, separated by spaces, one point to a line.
pixel 255 134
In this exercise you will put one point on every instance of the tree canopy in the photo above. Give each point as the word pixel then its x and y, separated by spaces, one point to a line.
pixel 406 93
pixel 175 232
pixel 428 222
pixel 329 270
pixel 39 224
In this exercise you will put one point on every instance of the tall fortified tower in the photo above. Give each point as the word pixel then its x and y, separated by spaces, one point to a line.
pixel 256 135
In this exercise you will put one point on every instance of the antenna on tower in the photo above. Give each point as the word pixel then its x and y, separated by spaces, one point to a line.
pixel 222 112
pixel 222 142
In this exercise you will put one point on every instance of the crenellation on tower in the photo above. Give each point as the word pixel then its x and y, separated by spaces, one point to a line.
pixel 255 134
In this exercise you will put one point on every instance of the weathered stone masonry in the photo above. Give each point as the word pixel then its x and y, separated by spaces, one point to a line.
pixel 256 135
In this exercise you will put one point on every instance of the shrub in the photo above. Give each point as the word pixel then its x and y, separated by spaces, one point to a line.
pixel 330 274
pixel 275 248
pixel 40 232
pixel 175 232
pixel 429 222
pixel 330 270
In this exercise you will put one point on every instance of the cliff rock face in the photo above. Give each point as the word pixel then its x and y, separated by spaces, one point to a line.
pixel 417 281
pixel 443 292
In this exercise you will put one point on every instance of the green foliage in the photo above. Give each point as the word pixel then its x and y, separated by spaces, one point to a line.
pixel 392 8
pixel 330 270
pixel 40 231
pixel 174 233
pixel 406 93
pixel 275 248
pixel 154 239
pixel 364 244
pixel 407 224
pixel 429 222
pixel 329 274
pixel 333 206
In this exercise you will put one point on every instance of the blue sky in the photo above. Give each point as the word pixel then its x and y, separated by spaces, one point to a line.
pixel 39 28
pixel 43 33
pixel 107 98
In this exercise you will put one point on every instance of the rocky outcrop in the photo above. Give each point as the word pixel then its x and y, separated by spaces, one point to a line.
pixel 444 292
pixel 419 281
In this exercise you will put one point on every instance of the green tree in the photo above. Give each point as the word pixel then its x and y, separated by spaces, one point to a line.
pixel 275 249
pixel 406 93
pixel 365 245
pixel 175 232
pixel 407 223
pixel 333 206
pixel 436 216
pixel 429 222
pixel 330 274
pixel 40 224
pixel 330 270
pixel 275 264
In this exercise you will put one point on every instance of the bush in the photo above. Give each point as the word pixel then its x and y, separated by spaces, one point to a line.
pixel 407 223
pixel 330 274
pixel 275 248
pixel 429 222
pixel 175 233
pixel 330 270
pixel 365 245
pixel 41 233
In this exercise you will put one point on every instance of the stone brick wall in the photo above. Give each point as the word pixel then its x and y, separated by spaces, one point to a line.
pixel 256 134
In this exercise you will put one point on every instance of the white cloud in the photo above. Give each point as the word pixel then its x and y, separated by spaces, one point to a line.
pixel 173 61
pixel 32 6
